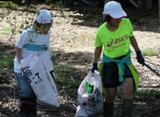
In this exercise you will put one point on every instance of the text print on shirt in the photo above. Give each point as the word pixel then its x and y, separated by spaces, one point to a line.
pixel 117 41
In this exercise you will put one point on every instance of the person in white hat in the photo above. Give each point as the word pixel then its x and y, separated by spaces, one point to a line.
pixel 115 36
pixel 32 40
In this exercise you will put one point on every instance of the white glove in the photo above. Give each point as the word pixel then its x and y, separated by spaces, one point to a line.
pixel 20 67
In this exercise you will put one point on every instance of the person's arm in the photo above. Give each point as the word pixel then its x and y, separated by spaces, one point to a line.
pixel 97 54
pixel 139 57
pixel 18 54
pixel 134 43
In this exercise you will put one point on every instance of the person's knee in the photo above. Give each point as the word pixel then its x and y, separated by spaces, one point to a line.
pixel 26 92
pixel 111 94
pixel 128 93
pixel 110 98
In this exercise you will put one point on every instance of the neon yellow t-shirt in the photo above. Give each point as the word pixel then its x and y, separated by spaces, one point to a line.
pixel 116 43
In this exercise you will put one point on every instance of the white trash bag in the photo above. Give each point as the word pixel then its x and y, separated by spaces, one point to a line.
pixel 39 71
pixel 90 97
pixel 46 59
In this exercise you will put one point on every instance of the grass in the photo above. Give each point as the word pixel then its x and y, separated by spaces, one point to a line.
pixel 148 93
pixel 6 61
pixel 8 4
pixel 6 31
pixel 149 52
pixel 63 76
pixel 152 93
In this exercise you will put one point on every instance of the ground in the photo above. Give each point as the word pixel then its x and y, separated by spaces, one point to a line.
pixel 72 39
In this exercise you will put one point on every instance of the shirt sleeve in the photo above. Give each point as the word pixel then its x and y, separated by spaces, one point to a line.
pixel 131 28
pixel 22 40
pixel 98 41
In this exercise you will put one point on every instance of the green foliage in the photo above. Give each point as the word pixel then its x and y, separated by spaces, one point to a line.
pixel 68 82
pixel 8 4
pixel 6 61
pixel 148 93
pixel 48 1
pixel 63 76
pixel 32 9
pixel 149 52
pixel 6 31
pixel 60 6
pixel 142 93
pixel 53 58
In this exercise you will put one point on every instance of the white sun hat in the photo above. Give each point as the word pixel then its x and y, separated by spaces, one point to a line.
pixel 114 9
pixel 44 17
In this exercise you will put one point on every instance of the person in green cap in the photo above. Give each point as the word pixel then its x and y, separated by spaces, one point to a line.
pixel 115 36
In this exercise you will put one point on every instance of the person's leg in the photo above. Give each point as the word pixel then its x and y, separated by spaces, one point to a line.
pixel 109 102
pixel 128 97
pixel 28 107
pixel 27 97
pixel 128 93
pixel 110 80
pixel 128 88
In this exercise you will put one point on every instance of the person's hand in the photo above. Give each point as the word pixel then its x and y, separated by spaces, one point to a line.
pixel 140 57
pixel 94 67
pixel 20 67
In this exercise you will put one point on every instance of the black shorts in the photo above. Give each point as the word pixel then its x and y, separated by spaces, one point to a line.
pixel 110 74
